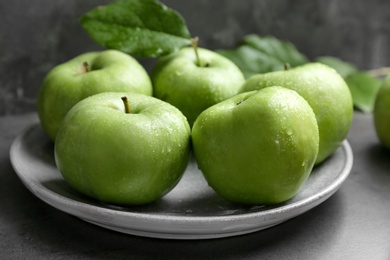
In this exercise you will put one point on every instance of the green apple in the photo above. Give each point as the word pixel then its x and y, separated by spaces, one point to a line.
pixel 193 82
pixel 125 151
pixel 257 147
pixel 382 113
pixel 326 92
pixel 85 75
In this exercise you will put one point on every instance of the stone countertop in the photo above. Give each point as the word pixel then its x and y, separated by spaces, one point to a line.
pixel 352 224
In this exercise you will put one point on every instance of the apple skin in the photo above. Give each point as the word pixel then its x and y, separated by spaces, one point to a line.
pixel 121 158
pixel 382 113
pixel 326 92
pixel 180 81
pixel 258 147
pixel 68 83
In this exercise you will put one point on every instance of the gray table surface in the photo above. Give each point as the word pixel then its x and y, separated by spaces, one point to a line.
pixel 352 224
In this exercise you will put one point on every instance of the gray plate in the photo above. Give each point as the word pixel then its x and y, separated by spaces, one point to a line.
pixel 190 211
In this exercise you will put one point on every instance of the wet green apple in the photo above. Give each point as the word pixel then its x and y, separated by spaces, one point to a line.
pixel 85 75
pixel 382 113
pixel 257 147
pixel 123 148
pixel 326 92
pixel 192 84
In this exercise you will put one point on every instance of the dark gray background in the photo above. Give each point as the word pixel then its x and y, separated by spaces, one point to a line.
pixel 37 35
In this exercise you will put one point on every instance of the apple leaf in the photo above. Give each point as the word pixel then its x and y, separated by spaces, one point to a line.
pixel 342 67
pixel 364 89
pixel 143 28
pixel 261 54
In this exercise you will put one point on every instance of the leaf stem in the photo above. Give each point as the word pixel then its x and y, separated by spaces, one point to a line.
pixel 126 104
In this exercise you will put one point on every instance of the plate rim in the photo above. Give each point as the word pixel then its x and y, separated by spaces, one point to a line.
pixel 87 211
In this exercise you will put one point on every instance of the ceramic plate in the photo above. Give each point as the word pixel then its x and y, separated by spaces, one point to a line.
pixel 190 211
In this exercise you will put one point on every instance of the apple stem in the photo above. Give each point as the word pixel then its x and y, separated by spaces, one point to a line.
pixel 239 102
pixel 86 66
pixel 286 66
pixel 194 43
pixel 126 104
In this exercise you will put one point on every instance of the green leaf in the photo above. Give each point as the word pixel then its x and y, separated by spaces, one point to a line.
pixel 251 61
pixel 144 28
pixel 261 54
pixel 342 67
pixel 364 89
